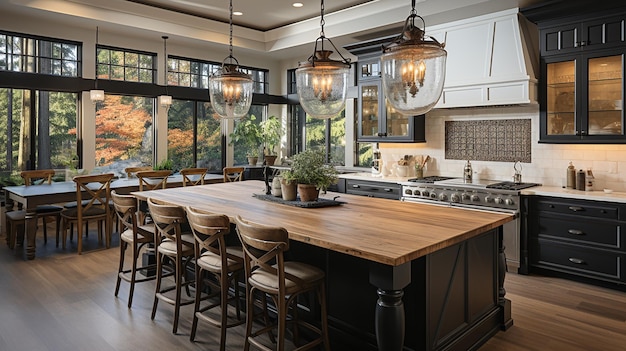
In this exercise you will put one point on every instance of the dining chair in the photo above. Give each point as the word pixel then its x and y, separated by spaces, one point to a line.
pixel 16 220
pixel 131 171
pixel 134 235
pixel 223 263
pixel 172 242
pixel 233 174
pixel 150 180
pixel 268 273
pixel 193 176
pixel 96 191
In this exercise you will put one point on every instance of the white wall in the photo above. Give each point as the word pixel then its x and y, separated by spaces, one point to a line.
pixel 549 161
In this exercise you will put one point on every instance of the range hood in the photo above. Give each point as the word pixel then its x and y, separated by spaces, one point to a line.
pixel 492 60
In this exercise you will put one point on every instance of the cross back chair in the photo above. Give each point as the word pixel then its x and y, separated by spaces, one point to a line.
pixel 233 174
pixel 170 241
pixel 131 171
pixel 193 176
pixel 268 273
pixel 223 263
pixel 93 195
pixel 134 235
pixel 153 180
pixel 17 219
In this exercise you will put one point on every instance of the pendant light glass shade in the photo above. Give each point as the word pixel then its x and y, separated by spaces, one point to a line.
pixel 413 70
pixel 230 90
pixel 322 83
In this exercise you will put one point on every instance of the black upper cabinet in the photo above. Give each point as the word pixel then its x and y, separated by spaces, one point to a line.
pixel 582 79
pixel 377 120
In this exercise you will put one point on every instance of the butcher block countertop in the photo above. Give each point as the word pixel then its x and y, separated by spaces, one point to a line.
pixel 390 232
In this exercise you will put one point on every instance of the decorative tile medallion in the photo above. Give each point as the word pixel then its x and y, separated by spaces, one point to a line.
pixel 504 140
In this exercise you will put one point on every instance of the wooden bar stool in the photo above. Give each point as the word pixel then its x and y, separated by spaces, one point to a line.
pixel 223 263
pixel 136 237
pixel 170 241
pixel 268 272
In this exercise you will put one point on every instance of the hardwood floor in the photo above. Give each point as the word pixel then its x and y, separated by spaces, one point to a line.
pixel 62 301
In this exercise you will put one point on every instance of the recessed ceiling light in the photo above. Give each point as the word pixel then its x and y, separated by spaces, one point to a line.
pixel 237 13
pixel 297 4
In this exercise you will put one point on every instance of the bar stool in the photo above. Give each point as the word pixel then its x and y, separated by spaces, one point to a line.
pixel 223 263
pixel 136 237
pixel 269 273
pixel 170 241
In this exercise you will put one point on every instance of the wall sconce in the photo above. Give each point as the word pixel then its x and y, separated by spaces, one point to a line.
pixel 414 69
pixel 96 95
pixel 230 90
pixel 322 83
pixel 165 101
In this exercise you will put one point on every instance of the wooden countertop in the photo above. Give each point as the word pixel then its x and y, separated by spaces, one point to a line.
pixel 386 231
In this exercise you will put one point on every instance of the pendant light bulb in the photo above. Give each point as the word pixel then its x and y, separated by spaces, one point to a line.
pixel 413 69
pixel 230 90
pixel 322 83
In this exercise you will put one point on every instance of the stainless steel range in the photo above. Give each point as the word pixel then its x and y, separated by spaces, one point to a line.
pixel 483 195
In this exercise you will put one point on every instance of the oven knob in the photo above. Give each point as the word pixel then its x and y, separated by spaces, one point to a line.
pixel 425 193
pixel 475 198
pixel 408 192
pixel 509 202
pixel 488 199
pixel 443 197
pixel 465 196
pixel 498 200
pixel 433 195
pixel 454 197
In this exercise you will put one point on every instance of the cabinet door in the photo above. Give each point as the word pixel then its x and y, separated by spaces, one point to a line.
pixel 603 33
pixel 369 69
pixel 369 110
pixel 560 119
pixel 560 39
pixel 605 94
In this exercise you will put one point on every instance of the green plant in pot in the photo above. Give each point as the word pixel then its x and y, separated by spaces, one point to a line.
pixel 271 132
pixel 310 171
pixel 248 133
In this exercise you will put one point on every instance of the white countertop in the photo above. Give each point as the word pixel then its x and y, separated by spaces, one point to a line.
pixel 369 177
pixel 598 195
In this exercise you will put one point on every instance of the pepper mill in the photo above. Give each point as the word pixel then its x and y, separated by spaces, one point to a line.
pixel 571 176
pixel 580 180
pixel 467 172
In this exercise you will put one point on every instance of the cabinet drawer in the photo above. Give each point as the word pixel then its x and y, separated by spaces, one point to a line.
pixel 574 208
pixel 600 233
pixel 373 189
pixel 587 262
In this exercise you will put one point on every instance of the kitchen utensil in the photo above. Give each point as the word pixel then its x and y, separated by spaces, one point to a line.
pixel 517 177
pixel 425 160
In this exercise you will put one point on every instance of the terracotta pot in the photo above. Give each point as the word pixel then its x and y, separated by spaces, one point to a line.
pixel 288 190
pixel 270 159
pixel 252 160
pixel 308 192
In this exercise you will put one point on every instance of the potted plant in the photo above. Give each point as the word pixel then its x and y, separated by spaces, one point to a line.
pixel 271 132
pixel 248 134
pixel 311 174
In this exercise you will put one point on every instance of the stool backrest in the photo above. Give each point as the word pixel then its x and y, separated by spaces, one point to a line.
pixel 31 177
pixel 209 230
pixel 167 223
pixel 126 210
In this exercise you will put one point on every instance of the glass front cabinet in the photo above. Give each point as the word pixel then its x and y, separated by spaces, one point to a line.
pixel 582 92
pixel 377 120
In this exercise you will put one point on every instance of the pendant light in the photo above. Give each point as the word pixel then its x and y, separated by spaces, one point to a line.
pixel 165 100
pixel 322 83
pixel 95 94
pixel 230 90
pixel 414 69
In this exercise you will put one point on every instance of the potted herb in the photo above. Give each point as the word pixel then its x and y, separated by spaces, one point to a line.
pixel 248 133
pixel 311 174
pixel 166 164
pixel 271 132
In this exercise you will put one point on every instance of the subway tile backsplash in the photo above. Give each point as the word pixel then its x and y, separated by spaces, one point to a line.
pixel 548 163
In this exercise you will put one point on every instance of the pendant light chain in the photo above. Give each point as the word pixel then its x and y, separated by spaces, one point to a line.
pixel 413 11
pixel 322 22
pixel 165 37
pixel 230 41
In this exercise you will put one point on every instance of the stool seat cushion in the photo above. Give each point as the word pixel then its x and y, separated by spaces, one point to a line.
pixel 213 262
pixel 168 247
pixel 267 281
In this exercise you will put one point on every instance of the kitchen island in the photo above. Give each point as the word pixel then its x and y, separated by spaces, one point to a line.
pixel 432 271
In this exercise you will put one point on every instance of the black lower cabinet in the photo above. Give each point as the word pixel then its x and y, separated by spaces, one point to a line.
pixel 450 304
pixel 578 239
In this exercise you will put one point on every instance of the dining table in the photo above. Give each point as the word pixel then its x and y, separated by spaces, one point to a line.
pixel 401 246
pixel 61 192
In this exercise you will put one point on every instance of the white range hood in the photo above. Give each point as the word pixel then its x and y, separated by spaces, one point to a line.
pixel 492 60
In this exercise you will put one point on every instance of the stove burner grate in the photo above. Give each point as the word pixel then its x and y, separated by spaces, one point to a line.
pixel 429 179
pixel 511 186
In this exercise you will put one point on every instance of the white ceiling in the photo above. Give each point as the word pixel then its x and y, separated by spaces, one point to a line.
pixel 271 28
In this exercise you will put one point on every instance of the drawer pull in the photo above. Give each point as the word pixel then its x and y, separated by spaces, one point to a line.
pixel 388 190
pixel 356 186
pixel 575 232
pixel 576 208
pixel 576 260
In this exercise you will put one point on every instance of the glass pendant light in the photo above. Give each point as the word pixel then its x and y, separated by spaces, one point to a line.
pixel 230 90
pixel 95 94
pixel 414 69
pixel 322 82
pixel 165 100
